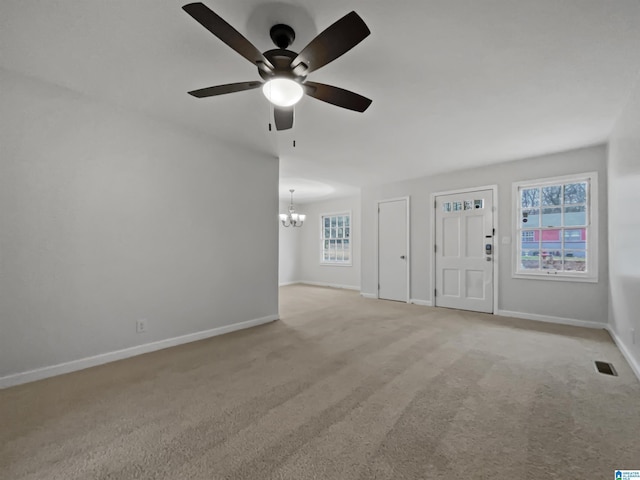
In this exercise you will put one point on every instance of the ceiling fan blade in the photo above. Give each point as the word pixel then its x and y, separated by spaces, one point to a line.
pixel 336 40
pixel 222 89
pixel 337 96
pixel 225 32
pixel 283 117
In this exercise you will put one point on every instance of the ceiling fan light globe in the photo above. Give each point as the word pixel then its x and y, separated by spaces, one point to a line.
pixel 282 92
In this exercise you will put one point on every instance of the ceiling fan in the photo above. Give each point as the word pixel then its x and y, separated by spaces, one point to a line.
pixel 284 72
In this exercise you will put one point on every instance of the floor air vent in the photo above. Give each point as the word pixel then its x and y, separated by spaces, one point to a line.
pixel 606 368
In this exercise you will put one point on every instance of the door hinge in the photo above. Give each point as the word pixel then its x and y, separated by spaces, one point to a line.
pixel 494 231
pixel 435 204
pixel 378 286
pixel 435 292
pixel 435 248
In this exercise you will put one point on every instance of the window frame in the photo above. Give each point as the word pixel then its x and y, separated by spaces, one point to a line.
pixel 591 229
pixel 336 263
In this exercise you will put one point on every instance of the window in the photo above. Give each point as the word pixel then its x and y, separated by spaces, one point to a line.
pixel 335 239
pixel 556 228
pixel 528 236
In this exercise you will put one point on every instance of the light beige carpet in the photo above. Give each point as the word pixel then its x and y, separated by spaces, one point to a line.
pixel 340 388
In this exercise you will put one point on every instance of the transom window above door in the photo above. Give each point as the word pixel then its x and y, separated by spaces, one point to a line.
pixel 556 228
pixel 335 239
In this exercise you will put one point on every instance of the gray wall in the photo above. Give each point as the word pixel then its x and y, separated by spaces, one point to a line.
pixel 572 300
pixel 300 247
pixel 310 269
pixel 107 217
pixel 289 251
pixel 624 228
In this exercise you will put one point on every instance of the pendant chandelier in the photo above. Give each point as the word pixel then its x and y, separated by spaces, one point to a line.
pixel 292 219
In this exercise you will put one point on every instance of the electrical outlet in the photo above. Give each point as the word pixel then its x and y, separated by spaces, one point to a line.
pixel 141 326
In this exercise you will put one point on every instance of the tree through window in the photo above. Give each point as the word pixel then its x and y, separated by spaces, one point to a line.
pixel 554 227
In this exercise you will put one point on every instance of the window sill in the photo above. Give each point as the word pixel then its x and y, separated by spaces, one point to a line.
pixel 554 277
pixel 328 264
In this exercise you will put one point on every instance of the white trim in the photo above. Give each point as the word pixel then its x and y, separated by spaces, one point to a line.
pixel 554 180
pixel 331 285
pixel 423 303
pixel 633 363
pixel 565 277
pixel 494 221
pixel 407 199
pixel 550 319
pixel 592 229
pixel 87 362
pixel 372 296
pixel 409 256
pixel 284 284
pixel 465 190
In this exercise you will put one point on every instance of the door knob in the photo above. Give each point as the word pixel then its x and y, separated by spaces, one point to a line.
pixel 402 257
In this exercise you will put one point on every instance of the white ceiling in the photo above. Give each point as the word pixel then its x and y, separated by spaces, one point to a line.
pixel 454 83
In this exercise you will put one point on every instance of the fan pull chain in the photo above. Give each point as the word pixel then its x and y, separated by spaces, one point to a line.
pixel 269 110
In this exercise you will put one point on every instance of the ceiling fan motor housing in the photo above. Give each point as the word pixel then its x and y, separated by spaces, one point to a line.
pixel 281 60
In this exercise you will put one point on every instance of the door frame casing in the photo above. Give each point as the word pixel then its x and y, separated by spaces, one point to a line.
pixel 408 254
pixel 494 212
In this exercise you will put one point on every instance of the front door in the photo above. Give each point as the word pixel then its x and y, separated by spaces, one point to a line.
pixel 393 262
pixel 464 251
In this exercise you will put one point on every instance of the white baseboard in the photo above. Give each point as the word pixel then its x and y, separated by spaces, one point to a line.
pixel 332 285
pixel 82 363
pixel 284 284
pixel 369 295
pixel 424 303
pixel 633 363
pixel 549 319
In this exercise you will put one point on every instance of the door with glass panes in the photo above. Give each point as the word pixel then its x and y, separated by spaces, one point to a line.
pixel 464 251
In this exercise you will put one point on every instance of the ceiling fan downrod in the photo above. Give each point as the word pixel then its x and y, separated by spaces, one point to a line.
pixel 282 35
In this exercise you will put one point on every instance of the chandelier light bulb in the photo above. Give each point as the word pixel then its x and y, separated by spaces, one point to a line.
pixel 282 92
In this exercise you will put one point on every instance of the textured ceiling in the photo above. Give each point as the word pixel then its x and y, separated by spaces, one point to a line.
pixel 454 83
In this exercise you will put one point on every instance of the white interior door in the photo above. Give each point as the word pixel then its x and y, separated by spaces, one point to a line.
pixel 464 251
pixel 393 250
